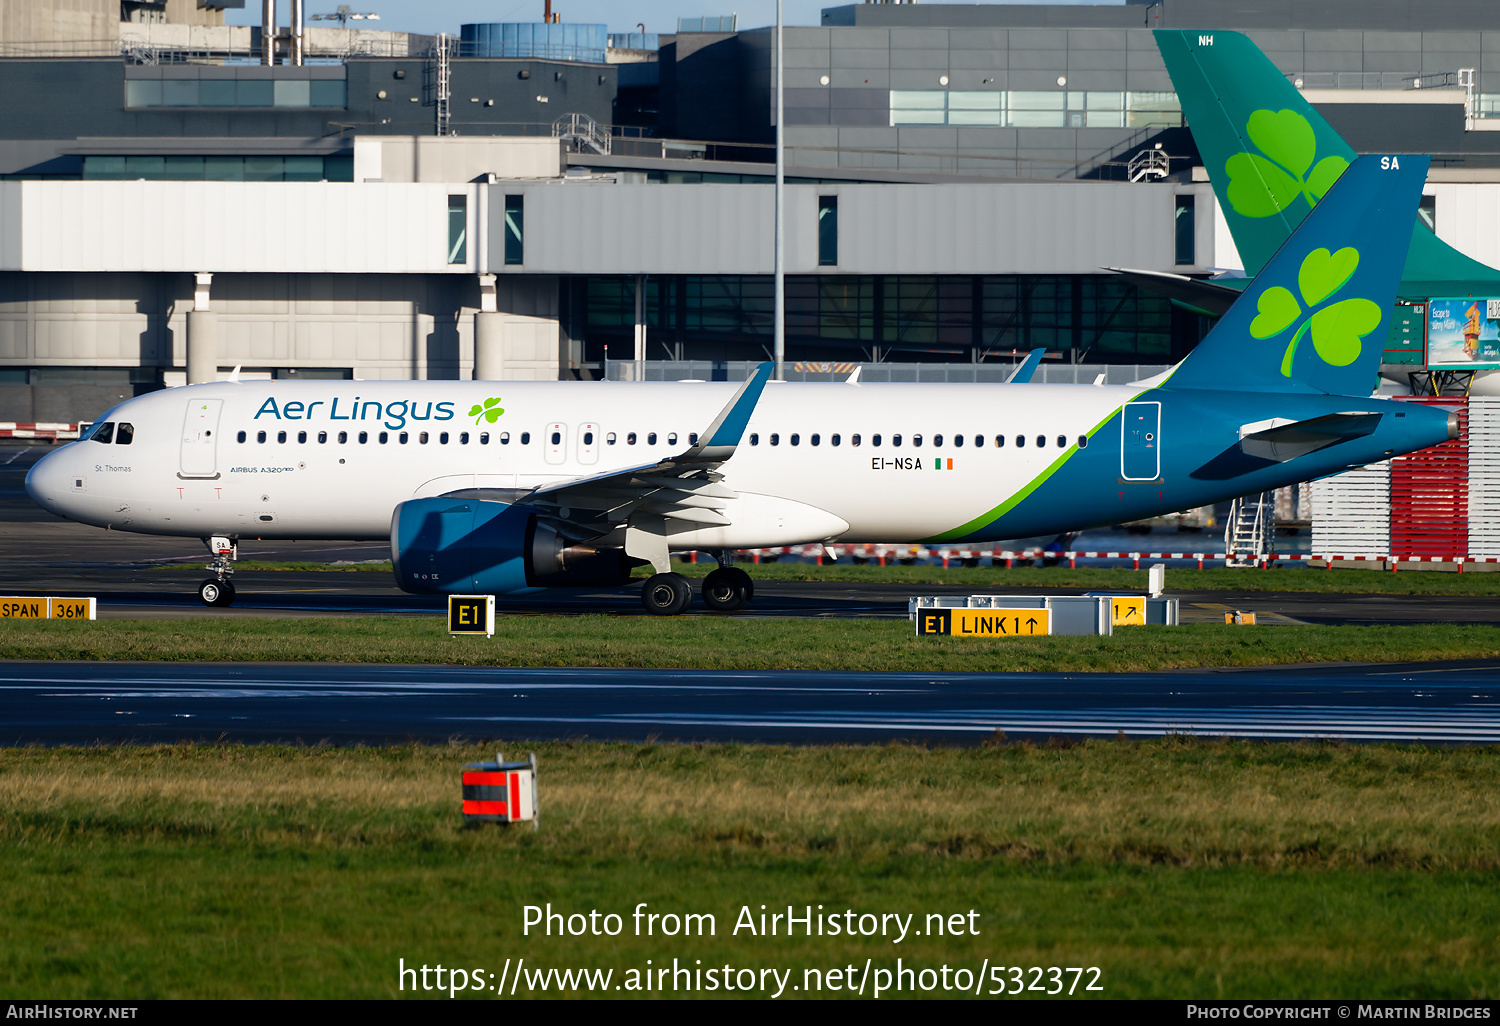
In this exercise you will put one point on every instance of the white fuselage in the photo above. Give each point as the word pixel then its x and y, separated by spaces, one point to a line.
pixel 338 456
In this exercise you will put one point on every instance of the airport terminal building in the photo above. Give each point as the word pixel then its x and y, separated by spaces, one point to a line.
pixel 544 204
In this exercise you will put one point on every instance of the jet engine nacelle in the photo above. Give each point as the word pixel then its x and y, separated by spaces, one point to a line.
pixel 484 547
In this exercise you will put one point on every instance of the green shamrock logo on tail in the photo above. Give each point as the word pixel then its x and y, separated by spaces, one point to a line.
pixel 490 411
pixel 1337 329
pixel 1260 186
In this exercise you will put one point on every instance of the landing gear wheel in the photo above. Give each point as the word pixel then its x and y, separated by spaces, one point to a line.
pixel 727 589
pixel 666 594
pixel 216 593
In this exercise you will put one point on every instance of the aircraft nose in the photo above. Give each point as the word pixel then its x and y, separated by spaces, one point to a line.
pixel 47 481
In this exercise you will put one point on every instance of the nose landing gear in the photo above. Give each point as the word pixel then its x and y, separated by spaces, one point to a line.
pixel 218 590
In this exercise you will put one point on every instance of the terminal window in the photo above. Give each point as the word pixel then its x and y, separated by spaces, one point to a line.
pixel 515 224
pixel 828 231
pixel 458 227
pixel 1186 251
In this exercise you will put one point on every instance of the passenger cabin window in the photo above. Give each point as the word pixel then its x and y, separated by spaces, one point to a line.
pixel 343 438
pixel 796 439
pixel 525 437
pixel 1062 441
pixel 302 437
pixel 693 438
pixel 1041 441
pixel 1083 441
pixel 105 433
pixel 1020 441
pixel 630 438
pixel 937 440
pixel 853 440
pixel 775 438
pixel 875 441
pixel 999 441
pixel 443 438
pixel 754 438
pixel 383 437
pixel 402 437
pixel 484 438
pixel 463 438
pixel 421 437
pixel 240 436
pixel 505 438
pixel 896 441
pixel 958 440
pixel 322 437
pixel 916 440
pixel 281 437
pixel 978 441
pixel 609 439
pixel 672 438
pixel 364 436
pixel 651 438
pixel 260 436
pixel 814 439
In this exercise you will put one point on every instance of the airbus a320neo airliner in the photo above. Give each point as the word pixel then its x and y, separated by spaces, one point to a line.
pixel 498 488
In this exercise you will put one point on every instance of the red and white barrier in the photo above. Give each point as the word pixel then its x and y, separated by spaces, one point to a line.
pixel 893 553
pixel 45 431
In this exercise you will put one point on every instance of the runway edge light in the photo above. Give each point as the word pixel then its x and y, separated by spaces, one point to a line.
pixel 501 792
pixel 471 614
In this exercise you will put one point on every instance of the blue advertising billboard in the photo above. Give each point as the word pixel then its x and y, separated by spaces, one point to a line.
pixel 1463 333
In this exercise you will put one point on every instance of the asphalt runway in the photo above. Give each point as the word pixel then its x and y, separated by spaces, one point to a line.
pixel 71 702
pixel 142 576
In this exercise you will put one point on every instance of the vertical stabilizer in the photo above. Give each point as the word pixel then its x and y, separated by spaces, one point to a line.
pixel 1314 318
pixel 1271 156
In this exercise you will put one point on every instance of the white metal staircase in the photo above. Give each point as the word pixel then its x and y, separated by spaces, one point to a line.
pixel 1250 530
pixel 582 132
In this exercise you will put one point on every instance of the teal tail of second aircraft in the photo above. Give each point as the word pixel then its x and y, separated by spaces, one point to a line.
pixel 1314 319
pixel 1271 156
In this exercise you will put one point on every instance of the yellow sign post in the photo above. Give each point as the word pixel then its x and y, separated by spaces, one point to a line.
pixel 18 608
pixel 984 623
pixel 471 614
pixel 1127 610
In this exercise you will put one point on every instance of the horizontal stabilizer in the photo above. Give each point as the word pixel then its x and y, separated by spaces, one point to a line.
pixel 1279 440
pixel 1209 297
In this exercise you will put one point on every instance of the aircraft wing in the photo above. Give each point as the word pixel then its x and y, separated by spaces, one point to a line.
pixel 1022 374
pixel 1208 297
pixel 643 498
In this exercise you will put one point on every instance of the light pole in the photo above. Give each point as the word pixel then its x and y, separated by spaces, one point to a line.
pixel 779 335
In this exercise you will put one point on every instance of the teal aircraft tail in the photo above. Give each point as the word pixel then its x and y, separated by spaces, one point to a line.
pixel 1271 156
pixel 1314 318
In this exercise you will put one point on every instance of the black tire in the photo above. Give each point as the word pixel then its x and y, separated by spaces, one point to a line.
pixel 666 594
pixel 727 589
pixel 216 593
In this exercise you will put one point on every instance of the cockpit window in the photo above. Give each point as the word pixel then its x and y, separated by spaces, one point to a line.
pixel 104 432
pixel 125 435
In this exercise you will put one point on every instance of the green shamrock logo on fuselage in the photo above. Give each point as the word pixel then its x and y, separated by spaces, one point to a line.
pixel 1337 329
pixel 490 411
pixel 1260 186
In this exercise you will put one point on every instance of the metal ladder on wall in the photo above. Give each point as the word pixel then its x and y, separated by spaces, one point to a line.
pixel 444 53
pixel 581 132
pixel 1250 530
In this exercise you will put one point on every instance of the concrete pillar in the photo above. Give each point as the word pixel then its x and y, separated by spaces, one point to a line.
pixel 489 346
pixel 202 335
pixel 202 346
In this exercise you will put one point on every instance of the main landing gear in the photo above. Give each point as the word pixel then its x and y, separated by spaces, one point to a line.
pixel 218 590
pixel 725 590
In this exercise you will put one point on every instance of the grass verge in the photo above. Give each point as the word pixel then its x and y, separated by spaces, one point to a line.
pixel 727 643
pixel 1180 867
pixel 987 579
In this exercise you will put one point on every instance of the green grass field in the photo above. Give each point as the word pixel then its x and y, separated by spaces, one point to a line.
pixel 1179 868
pixel 715 642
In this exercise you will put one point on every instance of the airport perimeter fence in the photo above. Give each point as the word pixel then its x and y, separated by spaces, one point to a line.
pixel 872 373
